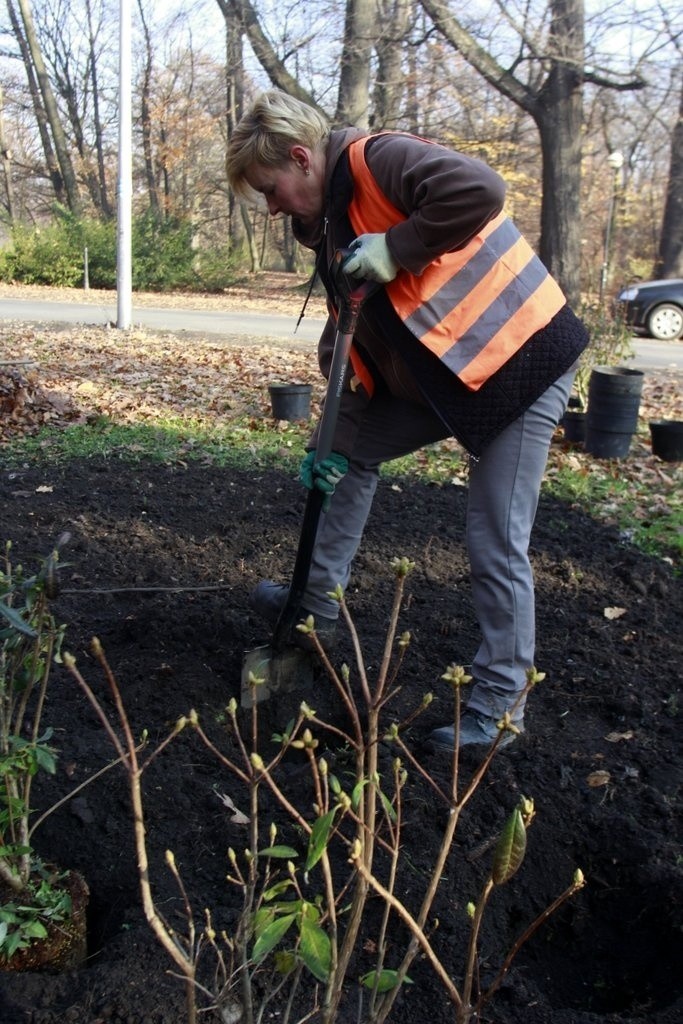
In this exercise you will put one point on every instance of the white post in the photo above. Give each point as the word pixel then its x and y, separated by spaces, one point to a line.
pixel 125 183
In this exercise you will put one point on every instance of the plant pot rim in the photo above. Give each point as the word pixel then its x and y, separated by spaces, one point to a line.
pixel 620 370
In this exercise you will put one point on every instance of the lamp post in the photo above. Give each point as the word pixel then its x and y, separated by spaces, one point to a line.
pixel 616 162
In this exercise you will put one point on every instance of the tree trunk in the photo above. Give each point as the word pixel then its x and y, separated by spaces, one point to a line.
pixel 360 29
pixel 49 103
pixel 241 229
pixel 390 83
pixel 146 119
pixel 6 165
pixel 43 129
pixel 670 256
pixel 556 107
pixel 248 20
pixel 559 117
pixel 102 191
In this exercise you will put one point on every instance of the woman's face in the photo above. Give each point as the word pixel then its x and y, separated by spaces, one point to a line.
pixel 294 188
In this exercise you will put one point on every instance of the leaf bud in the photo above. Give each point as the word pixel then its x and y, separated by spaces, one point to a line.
pixel 356 850
pixel 456 676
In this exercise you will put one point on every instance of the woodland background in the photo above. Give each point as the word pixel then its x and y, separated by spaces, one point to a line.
pixel 546 91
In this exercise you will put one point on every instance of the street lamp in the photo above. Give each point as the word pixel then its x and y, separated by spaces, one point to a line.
pixel 616 162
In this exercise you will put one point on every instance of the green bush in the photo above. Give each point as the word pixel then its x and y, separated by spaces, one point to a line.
pixel 55 254
pixel 164 257
pixel 162 253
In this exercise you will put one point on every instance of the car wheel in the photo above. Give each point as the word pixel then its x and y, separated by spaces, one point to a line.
pixel 665 322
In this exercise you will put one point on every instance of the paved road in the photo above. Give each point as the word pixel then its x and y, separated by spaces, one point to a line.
pixel 250 327
pixel 254 326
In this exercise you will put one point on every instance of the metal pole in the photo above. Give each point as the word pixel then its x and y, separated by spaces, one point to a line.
pixel 616 162
pixel 124 185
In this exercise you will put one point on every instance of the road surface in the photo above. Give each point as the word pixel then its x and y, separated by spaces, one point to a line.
pixel 250 327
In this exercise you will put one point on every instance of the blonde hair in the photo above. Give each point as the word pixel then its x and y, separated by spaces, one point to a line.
pixel 266 132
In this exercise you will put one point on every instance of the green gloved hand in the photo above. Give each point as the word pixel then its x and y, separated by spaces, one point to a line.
pixel 371 259
pixel 323 475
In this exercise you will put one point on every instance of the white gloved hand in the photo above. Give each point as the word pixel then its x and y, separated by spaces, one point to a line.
pixel 370 259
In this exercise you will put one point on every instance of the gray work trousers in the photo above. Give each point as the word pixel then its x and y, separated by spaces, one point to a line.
pixel 504 486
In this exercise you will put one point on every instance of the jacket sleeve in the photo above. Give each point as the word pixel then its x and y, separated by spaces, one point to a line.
pixel 446 196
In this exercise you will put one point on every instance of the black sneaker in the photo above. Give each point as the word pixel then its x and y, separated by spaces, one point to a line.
pixel 268 599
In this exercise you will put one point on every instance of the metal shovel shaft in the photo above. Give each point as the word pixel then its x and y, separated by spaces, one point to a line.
pixel 281 666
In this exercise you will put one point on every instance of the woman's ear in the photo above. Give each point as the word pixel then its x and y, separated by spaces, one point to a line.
pixel 301 157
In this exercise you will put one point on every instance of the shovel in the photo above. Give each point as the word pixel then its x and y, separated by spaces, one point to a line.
pixel 282 666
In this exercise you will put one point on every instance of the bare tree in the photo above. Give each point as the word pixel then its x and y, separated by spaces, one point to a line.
pixel 391 49
pixel 552 94
pixel 146 115
pixel 274 66
pixel 241 229
pixel 6 156
pixel 37 64
pixel 360 32
pixel 99 188
pixel 51 163
pixel 670 253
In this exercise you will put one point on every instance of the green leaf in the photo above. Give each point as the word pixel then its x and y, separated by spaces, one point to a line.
pixel 16 620
pixel 389 808
pixel 262 918
pixel 280 852
pixel 315 949
pixel 285 961
pixel 276 889
pixel 357 792
pixel 317 842
pixel 271 936
pixel 510 849
pixel 46 760
pixel 385 980
pixel 34 930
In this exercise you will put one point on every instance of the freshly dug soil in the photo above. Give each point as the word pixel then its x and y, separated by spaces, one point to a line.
pixel 159 567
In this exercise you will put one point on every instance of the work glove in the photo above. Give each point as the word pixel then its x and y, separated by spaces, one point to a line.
pixel 370 259
pixel 323 475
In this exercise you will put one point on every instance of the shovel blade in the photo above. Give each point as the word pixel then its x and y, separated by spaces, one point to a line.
pixel 282 671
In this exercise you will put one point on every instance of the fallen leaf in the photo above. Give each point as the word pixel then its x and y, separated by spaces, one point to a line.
pixel 617 737
pixel 237 816
pixel 598 778
pixel 614 613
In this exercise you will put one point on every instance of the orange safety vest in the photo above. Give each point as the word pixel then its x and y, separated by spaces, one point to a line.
pixel 473 308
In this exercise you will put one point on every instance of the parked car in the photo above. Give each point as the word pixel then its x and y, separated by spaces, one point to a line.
pixel 653 307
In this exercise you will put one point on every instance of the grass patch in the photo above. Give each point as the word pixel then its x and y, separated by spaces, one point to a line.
pixel 647 512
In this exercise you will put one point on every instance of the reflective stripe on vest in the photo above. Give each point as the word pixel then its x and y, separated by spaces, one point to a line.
pixel 473 308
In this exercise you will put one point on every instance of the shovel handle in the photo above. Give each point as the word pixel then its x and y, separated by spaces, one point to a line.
pixel 352 295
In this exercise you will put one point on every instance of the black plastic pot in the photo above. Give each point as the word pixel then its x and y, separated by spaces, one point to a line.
pixel 667 439
pixel 290 401
pixel 574 426
pixel 613 404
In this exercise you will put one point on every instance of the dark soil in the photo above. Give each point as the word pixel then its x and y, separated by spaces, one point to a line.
pixel 159 567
